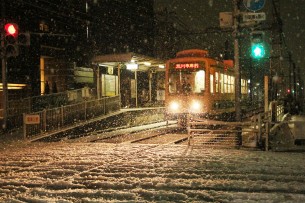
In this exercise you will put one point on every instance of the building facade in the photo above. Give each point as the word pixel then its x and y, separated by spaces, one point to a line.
pixel 68 34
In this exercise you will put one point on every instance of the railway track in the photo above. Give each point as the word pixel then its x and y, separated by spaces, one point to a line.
pixel 155 134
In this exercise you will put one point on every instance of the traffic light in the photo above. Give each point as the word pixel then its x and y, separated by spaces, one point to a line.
pixel 11 31
pixel 257 45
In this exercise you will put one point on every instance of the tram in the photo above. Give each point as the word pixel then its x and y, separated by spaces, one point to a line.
pixel 199 85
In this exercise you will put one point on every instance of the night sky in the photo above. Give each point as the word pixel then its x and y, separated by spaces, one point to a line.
pixel 197 15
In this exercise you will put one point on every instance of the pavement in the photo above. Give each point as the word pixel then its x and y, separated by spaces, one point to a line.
pixel 12 138
pixel 298 126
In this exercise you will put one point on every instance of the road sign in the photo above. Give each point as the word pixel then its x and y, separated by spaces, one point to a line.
pixel 249 17
pixel 254 5
pixel 226 19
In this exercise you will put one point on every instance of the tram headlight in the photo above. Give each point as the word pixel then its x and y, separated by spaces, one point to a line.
pixel 174 106
pixel 195 106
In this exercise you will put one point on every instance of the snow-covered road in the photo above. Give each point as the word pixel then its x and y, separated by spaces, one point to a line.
pixel 101 172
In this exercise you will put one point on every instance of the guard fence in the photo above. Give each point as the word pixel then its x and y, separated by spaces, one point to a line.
pixel 256 129
pixel 52 119
pixel 16 108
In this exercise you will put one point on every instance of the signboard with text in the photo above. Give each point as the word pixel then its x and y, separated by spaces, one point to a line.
pixel 249 17
pixel 32 119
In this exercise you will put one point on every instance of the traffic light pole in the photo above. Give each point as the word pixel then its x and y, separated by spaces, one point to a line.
pixel 236 33
pixel 4 89
pixel 4 78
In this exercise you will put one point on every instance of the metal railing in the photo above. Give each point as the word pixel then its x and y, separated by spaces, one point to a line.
pixel 64 116
pixel 16 108
pixel 256 129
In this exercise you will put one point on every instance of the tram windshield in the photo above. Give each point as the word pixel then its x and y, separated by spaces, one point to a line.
pixel 183 82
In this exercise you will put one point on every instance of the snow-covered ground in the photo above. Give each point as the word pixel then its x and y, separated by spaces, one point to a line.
pixel 100 172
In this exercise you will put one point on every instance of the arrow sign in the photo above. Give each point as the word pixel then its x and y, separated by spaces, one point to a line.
pixel 254 5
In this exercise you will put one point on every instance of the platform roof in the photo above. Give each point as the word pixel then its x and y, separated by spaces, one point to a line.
pixel 130 57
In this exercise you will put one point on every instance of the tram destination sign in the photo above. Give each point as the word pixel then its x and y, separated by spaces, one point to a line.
pixel 188 66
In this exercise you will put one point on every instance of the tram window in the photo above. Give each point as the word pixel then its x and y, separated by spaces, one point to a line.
pixel 199 81
pixel 187 82
pixel 211 83
pixel 243 86
pixel 216 82
pixel 232 84
pixel 229 84
pixel 181 82
pixel 221 83
pixel 173 83
pixel 225 83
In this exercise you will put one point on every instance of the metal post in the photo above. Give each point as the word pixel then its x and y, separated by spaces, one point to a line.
pixel 4 71
pixel 98 82
pixel 236 61
pixel 44 114
pixel 62 115
pixel 136 86
pixel 85 113
pixel 267 123
pixel 266 81
pixel 4 88
pixel 150 84
pixel 119 84
pixel 24 126
pixel 236 14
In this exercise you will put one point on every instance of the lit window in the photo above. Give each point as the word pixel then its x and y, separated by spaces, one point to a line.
pixel 211 83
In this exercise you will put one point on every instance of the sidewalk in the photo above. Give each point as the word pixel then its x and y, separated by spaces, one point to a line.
pixel 298 126
pixel 11 139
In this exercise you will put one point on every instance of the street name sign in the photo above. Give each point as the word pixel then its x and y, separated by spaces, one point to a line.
pixel 248 17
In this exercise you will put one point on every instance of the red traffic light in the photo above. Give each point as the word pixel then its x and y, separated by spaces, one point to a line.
pixel 11 29
pixel 11 39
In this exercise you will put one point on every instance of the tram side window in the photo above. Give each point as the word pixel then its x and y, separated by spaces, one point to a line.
pixel 211 83
pixel 225 83
pixel 216 82
pixel 229 84
pixel 243 86
pixel 233 84
pixel 221 83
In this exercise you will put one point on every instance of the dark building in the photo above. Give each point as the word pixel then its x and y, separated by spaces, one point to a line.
pixel 119 26
pixel 65 34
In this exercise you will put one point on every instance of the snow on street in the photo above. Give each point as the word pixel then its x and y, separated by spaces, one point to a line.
pixel 101 172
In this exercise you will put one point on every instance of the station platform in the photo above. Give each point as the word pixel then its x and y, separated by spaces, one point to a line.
pixel 112 120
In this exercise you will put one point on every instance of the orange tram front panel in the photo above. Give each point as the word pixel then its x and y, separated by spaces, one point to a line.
pixel 198 84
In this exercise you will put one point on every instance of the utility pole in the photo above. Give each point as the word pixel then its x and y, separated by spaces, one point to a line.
pixel 236 33
pixel 236 16
pixel 4 78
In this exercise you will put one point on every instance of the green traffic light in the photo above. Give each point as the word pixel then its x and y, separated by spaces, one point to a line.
pixel 258 50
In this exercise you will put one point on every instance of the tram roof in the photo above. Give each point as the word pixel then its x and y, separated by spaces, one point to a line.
pixel 130 57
